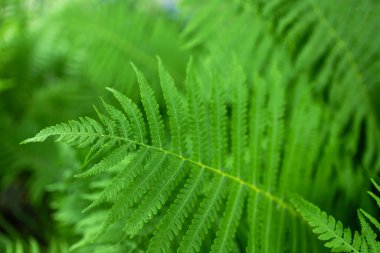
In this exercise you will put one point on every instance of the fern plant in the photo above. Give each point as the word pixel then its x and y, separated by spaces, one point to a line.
pixel 280 97
pixel 341 239
pixel 204 162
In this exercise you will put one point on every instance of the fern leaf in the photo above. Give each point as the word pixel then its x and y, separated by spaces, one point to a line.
pixel 151 107
pixel 372 219
pixel 151 176
pixel 275 129
pixel 124 178
pixel 375 197
pixel 144 181
pixel 239 125
pixel 76 133
pixel 230 221
pixel 197 123
pixel 253 221
pixel 110 125
pixel 275 135
pixel 120 120
pixel 156 198
pixel 116 156
pixel 338 239
pixel 377 186
pixel 134 114
pixel 135 190
pixel 369 237
pixel 256 133
pixel 235 203
pixel 205 216
pixel 209 206
pixel 102 146
pixel 257 127
pixel 185 200
pixel 218 113
pixel 175 109
pixel 171 224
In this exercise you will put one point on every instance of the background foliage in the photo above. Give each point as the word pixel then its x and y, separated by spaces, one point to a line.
pixel 310 71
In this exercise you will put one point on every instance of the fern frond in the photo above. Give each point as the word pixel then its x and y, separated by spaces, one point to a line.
pixel 239 124
pixel 369 236
pixel 171 224
pixel 175 171
pixel 153 115
pixel 133 192
pixel 228 226
pixel 202 172
pixel 328 229
pixel 134 114
pixel 254 217
pixel 156 198
pixel 372 219
pixel 124 178
pixel 183 204
pixel 339 239
pixel 257 125
pixel 77 133
pixel 206 215
pixel 119 119
pixel 175 108
pixel 236 198
pixel 117 155
pixel 275 130
pixel 208 210
pixel 159 194
pixel 197 119
pixel 145 180
pixel 218 117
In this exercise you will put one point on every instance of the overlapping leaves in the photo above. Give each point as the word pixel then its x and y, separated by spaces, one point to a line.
pixel 187 176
